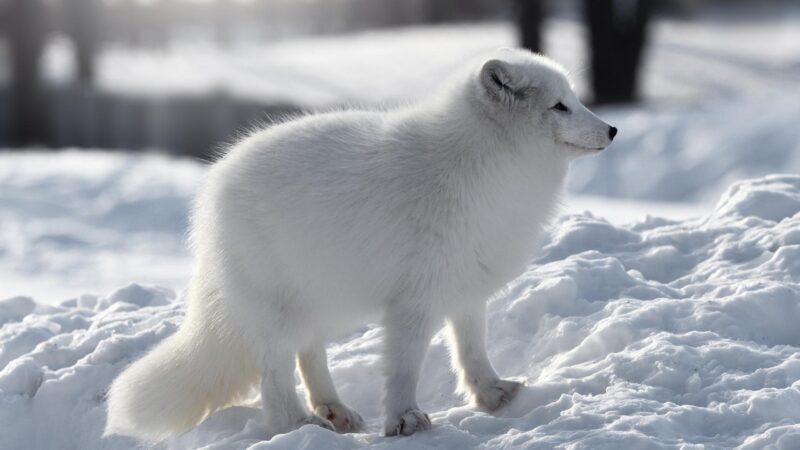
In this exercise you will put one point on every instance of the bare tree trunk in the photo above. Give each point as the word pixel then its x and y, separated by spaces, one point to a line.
pixel 26 38
pixel 83 30
pixel 529 20
pixel 618 31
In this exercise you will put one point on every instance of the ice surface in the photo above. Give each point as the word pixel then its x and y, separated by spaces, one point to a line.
pixel 657 334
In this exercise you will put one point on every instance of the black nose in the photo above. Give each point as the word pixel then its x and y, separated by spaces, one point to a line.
pixel 612 131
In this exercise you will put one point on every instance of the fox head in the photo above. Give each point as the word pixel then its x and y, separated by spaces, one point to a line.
pixel 531 97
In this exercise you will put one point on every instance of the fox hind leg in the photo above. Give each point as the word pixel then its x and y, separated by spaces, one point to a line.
pixel 322 396
pixel 282 407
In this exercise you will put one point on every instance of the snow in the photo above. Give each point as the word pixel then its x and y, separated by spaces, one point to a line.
pixel 622 210
pixel 655 334
pixel 74 222
pixel 680 154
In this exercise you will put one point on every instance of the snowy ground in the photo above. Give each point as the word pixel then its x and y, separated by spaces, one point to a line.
pixel 693 154
pixel 655 334
pixel 77 222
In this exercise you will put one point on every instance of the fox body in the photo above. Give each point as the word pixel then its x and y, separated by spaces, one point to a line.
pixel 410 217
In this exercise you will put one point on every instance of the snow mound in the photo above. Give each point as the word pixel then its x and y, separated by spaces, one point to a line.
pixel 659 334
pixel 772 198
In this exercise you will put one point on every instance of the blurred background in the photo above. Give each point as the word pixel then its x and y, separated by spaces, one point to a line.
pixel 182 75
pixel 106 106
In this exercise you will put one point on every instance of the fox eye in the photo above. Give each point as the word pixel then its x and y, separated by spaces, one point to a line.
pixel 560 107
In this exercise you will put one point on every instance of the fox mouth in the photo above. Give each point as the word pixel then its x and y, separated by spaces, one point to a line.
pixel 582 147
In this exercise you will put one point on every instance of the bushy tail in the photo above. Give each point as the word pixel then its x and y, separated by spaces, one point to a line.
pixel 179 383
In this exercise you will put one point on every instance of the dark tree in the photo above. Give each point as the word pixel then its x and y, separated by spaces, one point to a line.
pixel 82 28
pixel 529 20
pixel 618 31
pixel 26 30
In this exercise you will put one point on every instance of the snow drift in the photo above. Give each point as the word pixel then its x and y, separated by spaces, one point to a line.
pixel 77 221
pixel 693 154
pixel 657 334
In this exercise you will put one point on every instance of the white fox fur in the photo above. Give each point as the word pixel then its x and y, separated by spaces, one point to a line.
pixel 409 217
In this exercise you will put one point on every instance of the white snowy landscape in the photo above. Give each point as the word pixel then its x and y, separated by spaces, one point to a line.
pixel 659 333
pixel 662 310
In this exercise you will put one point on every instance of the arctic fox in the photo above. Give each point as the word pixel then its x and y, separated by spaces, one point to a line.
pixel 410 217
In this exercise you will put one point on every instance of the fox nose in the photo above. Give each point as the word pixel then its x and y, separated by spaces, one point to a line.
pixel 612 131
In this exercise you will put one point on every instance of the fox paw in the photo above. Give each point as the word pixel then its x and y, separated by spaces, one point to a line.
pixel 344 419
pixel 318 421
pixel 498 394
pixel 408 423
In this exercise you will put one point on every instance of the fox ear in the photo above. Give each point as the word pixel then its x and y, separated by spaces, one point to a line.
pixel 499 82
